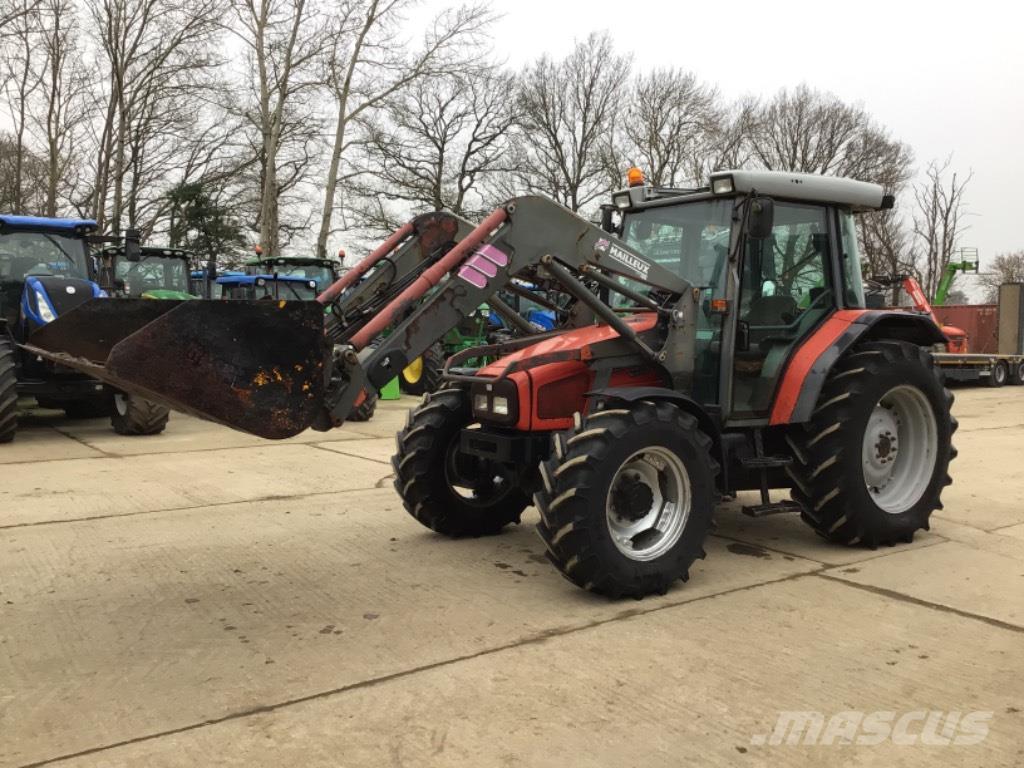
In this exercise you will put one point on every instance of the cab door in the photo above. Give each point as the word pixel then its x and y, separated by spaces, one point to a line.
pixel 786 289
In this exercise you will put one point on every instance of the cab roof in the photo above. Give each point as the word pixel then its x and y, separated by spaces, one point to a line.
pixel 42 223
pixel 812 187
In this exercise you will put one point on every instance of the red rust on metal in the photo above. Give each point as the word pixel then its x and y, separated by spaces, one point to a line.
pixel 428 279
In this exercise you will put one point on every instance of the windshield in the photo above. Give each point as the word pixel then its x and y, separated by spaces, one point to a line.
pixel 322 275
pixel 689 239
pixel 152 273
pixel 267 288
pixel 41 254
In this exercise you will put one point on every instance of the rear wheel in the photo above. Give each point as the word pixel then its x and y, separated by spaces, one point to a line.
pixel 627 499
pixel 871 464
pixel 999 374
pixel 131 415
pixel 424 373
pixel 1017 373
pixel 448 491
pixel 8 392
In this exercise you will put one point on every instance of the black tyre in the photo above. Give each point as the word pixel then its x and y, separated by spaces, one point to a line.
pixel 86 409
pixel 999 375
pixel 1017 373
pixel 131 415
pixel 448 491
pixel 627 499
pixel 870 466
pixel 423 374
pixel 8 392
pixel 365 410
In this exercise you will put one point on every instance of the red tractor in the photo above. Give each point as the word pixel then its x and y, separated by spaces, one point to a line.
pixel 713 340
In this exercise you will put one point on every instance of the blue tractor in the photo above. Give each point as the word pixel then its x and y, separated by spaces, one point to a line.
pixel 46 270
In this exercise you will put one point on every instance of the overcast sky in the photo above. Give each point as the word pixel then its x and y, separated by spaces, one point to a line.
pixel 943 77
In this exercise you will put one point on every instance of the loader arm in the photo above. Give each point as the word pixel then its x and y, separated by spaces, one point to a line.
pixel 528 237
pixel 275 368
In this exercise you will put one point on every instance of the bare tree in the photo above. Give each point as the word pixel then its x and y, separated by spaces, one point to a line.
pixel 435 147
pixel 285 40
pixel 20 61
pixel 814 132
pixel 669 121
pixel 886 246
pixel 156 53
pixel 938 220
pixel 366 68
pixel 567 109
pixel 1005 268
pixel 63 96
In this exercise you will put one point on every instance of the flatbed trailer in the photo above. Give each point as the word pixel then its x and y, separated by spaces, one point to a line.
pixel 994 370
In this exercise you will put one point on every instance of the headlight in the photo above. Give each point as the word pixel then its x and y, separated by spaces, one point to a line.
pixel 44 307
pixel 495 401
pixel 722 186
pixel 622 200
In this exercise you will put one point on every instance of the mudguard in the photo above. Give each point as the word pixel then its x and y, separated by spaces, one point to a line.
pixel 810 364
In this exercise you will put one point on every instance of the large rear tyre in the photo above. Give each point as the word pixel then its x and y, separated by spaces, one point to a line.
pixel 8 392
pixel 1017 373
pixel 131 415
pixel 423 374
pixel 871 464
pixel 627 499
pixel 446 490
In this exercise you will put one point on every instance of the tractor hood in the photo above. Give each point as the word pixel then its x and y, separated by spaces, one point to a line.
pixel 45 298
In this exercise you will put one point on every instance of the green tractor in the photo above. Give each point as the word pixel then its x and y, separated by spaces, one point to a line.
pixel 152 273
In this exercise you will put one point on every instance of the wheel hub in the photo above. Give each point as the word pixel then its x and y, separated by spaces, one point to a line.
pixel 648 503
pixel 632 498
pixel 899 448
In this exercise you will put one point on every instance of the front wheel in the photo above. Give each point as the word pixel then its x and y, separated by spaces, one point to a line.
pixel 627 499
pixel 134 416
pixel 871 464
pixel 8 392
pixel 451 492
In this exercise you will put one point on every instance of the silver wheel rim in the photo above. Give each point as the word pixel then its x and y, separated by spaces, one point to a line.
pixel 900 448
pixel 647 535
pixel 121 404
pixel 999 372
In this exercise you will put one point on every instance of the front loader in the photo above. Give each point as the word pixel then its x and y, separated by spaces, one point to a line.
pixel 715 340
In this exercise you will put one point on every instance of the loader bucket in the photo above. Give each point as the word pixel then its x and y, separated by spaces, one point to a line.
pixel 256 366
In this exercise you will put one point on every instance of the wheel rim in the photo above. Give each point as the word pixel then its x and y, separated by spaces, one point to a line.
pixel 413 372
pixel 121 404
pixel 999 372
pixel 900 449
pixel 648 503
pixel 474 480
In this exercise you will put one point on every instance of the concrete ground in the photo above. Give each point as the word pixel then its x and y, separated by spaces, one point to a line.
pixel 207 598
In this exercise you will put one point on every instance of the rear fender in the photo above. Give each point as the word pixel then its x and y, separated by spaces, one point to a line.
pixel 814 358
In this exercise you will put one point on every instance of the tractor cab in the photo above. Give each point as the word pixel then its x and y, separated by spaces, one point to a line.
pixel 281 287
pixel 323 271
pixel 157 273
pixel 771 255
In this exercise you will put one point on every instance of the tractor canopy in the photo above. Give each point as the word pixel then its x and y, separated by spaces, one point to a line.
pixel 323 271
pixel 158 273
pixel 267 286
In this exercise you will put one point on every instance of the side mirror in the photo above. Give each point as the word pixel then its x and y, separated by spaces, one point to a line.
pixel 761 217
pixel 607 222
pixel 132 250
